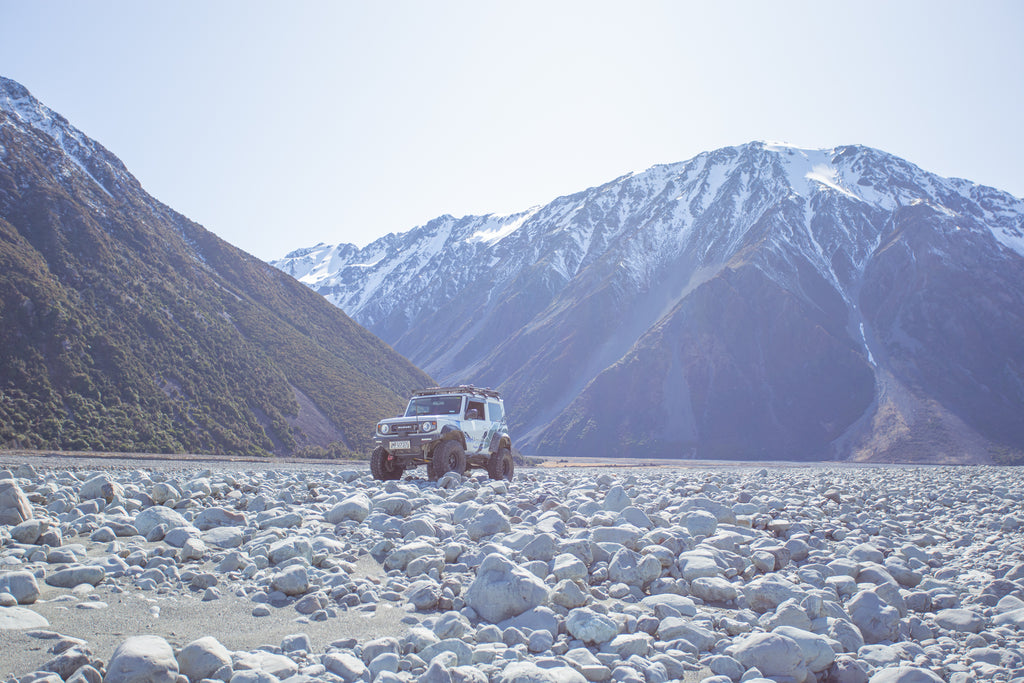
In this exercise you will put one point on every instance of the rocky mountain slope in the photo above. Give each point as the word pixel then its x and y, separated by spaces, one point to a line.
pixel 760 301
pixel 124 326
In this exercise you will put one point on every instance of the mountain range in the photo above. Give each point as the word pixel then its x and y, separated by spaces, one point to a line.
pixel 124 326
pixel 758 302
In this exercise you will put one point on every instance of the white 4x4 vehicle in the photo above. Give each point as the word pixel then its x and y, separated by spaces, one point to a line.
pixel 448 429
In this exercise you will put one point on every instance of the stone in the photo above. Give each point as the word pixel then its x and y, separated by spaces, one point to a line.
pixel 876 620
pixel 700 523
pixel 960 620
pixel 632 569
pixel 29 531
pixel 158 516
pixel 568 566
pixel 488 520
pixel 713 589
pixel 14 506
pixel 356 507
pixel 202 658
pixel 502 589
pixel 214 517
pixel 142 659
pixel 818 652
pixel 591 627
pixel 21 618
pixel 100 486
pixel 528 672
pixel 348 667
pixel 616 500
pixel 293 580
pixel 905 674
pixel 771 653
pixel 75 576
pixel 21 585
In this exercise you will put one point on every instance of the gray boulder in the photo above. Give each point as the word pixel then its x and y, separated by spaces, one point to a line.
pixel 142 659
pixel 502 589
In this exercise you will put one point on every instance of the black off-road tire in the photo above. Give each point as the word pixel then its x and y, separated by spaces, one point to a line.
pixel 500 465
pixel 381 468
pixel 448 456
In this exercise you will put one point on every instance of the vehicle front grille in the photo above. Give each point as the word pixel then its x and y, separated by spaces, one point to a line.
pixel 405 428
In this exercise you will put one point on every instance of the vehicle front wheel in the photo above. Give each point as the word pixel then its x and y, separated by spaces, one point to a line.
pixel 383 469
pixel 500 465
pixel 448 457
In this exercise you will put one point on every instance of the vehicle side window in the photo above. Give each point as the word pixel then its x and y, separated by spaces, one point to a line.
pixel 474 410
pixel 494 413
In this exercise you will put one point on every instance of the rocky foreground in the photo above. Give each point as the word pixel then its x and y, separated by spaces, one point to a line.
pixel 698 574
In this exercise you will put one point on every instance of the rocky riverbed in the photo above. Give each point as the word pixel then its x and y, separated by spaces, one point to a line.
pixel 240 572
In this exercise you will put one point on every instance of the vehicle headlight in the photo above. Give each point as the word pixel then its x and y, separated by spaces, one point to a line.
pixel 384 429
pixel 427 426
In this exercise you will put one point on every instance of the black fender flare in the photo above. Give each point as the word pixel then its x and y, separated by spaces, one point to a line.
pixel 448 433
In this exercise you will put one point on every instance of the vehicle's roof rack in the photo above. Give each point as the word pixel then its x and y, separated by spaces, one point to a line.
pixel 461 389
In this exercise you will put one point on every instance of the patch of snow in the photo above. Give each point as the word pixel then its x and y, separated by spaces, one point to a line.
pixel 496 230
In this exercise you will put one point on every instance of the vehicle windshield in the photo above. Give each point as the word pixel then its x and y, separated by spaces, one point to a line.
pixel 434 405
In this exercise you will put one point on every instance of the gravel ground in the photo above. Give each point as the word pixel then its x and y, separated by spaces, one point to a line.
pixel 703 571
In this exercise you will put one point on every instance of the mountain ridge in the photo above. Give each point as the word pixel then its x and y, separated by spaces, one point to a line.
pixel 128 327
pixel 528 309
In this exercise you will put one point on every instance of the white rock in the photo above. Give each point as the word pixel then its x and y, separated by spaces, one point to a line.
pixel 342 664
pixel 713 589
pixel 159 515
pixel 960 620
pixel 21 618
pixel 164 491
pixel 616 499
pixel 818 652
pixel 100 486
pixel 293 580
pixel 214 517
pixel 489 520
pixel 355 507
pixel 700 523
pixel 502 589
pixel 14 506
pixel 76 575
pixel 675 628
pixel 567 566
pixel 202 658
pixel 29 531
pixel 876 620
pixel 632 569
pixel 590 627
pixel 142 659
pixel 528 672
pixel 771 653
pixel 905 674
pixel 20 584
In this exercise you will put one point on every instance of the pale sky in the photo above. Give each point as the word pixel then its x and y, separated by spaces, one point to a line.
pixel 278 125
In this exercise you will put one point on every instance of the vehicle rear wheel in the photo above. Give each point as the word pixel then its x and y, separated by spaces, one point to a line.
pixel 448 456
pixel 383 469
pixel 500 465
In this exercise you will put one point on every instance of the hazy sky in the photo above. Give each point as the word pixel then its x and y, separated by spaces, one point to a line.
pixel 278 125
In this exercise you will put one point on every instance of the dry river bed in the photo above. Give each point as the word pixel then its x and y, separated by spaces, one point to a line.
pixel 163 571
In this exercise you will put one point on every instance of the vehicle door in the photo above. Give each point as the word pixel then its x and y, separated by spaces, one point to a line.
pixel 474 426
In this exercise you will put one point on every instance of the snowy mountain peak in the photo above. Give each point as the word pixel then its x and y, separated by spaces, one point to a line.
pixel 84 154
pixel 762 270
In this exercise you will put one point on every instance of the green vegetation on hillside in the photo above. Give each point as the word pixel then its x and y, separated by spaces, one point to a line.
pixel 126 327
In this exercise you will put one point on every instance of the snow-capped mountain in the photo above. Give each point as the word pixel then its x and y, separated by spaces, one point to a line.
pixel 755 301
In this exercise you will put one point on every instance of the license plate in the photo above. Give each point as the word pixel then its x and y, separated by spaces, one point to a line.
pixel 399 445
